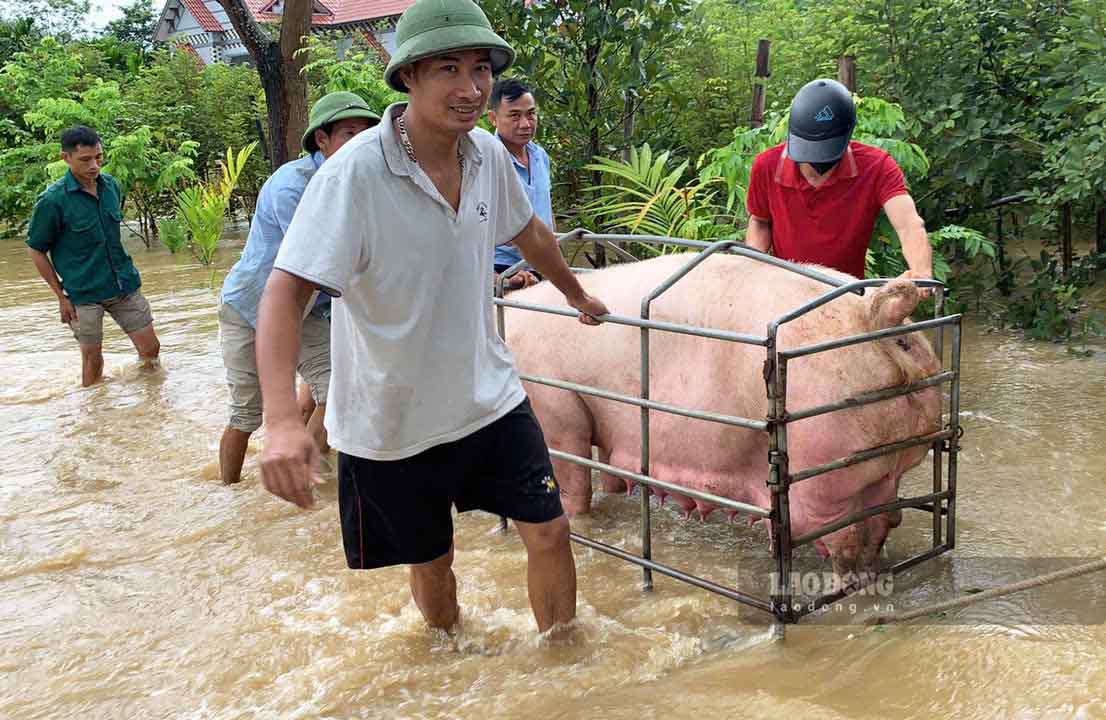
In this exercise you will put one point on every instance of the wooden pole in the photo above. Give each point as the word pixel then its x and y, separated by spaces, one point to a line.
pixel 846 71
pixel 1004 279
pixel 1065 238
pixel 1100 230
pixel 760 83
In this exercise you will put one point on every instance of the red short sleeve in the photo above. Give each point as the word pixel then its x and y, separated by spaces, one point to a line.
pixel 756 199
pixel 891 182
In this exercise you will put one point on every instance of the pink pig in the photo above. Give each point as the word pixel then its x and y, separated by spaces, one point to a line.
pixel 741 295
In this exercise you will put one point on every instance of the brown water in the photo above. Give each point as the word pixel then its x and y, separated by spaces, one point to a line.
pixel 134 585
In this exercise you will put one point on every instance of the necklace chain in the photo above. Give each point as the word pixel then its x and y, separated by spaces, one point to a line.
pixel 406 141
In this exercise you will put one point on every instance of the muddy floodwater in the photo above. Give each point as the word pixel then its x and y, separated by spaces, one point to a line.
pixel 134 585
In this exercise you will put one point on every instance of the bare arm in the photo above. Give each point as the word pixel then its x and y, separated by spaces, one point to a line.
pixel 759 234
pixel 46 270
pixel 290 457
pixel 539 247
pixel 911 230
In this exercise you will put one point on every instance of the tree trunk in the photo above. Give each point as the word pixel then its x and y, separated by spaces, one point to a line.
pixel 591 56
pixel 1065 239
pixel 1100 230
pixel 628 125
pixel 279 69
pixel 147 223
pixel 628 109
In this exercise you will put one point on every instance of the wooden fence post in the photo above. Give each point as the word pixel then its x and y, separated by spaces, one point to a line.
pixel 760 83
pixel 846 71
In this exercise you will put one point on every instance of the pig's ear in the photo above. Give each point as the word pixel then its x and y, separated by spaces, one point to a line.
pixel 892 303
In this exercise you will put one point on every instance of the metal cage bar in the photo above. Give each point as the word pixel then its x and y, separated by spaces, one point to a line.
pixel 859 457
pixel 869 398
pixel 643 479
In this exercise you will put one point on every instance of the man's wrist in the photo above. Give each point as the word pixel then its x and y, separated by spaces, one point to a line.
pixel 577 299
pixel 284 417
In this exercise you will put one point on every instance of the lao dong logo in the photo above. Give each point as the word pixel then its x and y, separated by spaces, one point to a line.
pixel 808 587
pixel 816 584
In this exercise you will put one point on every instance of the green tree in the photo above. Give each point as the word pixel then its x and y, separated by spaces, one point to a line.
pixel 149 171
pixel 708 89
pixel 34 85
pixel 17 35
pixel 279 66
pixel 1073 116
pixel 216 106
pixel 358 71
pixel 137 25
pixel 590 63
pixel 64 19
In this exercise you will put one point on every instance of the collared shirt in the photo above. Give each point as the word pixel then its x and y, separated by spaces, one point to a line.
pixel 831 224
pixel 81 234
pixel 416 359
pixel 276 204
pixel 538 186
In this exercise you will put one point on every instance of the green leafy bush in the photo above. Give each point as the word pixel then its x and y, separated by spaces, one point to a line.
pixel 358 71
pixel 1052 306
pixel 204 206
pixel 648 198
pixel 148 172
pixel 173 234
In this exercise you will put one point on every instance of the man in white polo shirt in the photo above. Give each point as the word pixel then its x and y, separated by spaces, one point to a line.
pixel 426 408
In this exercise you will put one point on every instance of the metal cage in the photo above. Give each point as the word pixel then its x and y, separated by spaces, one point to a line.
pixel 940 503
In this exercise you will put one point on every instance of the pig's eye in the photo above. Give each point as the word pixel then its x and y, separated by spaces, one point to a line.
pixel 902 342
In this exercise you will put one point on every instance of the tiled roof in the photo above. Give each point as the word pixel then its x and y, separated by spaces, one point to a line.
pixel 341 11
pixel 193 52
pixel 346 11
pixel 203 16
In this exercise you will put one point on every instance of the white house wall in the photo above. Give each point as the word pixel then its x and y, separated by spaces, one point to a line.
pixel 186 24
pixel 225 47
pixel 388 40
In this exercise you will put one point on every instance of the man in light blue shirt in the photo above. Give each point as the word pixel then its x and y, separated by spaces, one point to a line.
pixel 334 119
pixel 513 112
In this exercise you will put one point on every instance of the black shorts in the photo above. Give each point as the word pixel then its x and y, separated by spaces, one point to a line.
pixel 399 512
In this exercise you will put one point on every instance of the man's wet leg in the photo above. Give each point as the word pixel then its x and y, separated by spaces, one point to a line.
pixel 434 587
pixel 232 454
pixel 92 364
pixel 146 343
pixel 550 571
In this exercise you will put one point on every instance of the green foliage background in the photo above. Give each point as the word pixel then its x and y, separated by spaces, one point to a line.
pixel 994 98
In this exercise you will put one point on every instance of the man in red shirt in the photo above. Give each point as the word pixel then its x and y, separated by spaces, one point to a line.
pixel 816 198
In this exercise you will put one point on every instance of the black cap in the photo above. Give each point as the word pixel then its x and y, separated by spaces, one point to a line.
pixel 822 120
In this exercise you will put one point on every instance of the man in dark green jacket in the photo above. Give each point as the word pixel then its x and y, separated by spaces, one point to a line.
pixel 76 221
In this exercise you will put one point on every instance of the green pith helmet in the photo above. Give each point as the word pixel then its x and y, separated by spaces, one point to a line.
pixel 434 27
pixel 332 108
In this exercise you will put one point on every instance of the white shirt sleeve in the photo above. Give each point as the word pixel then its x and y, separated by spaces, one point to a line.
pixel 325 243
pixel 511 205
